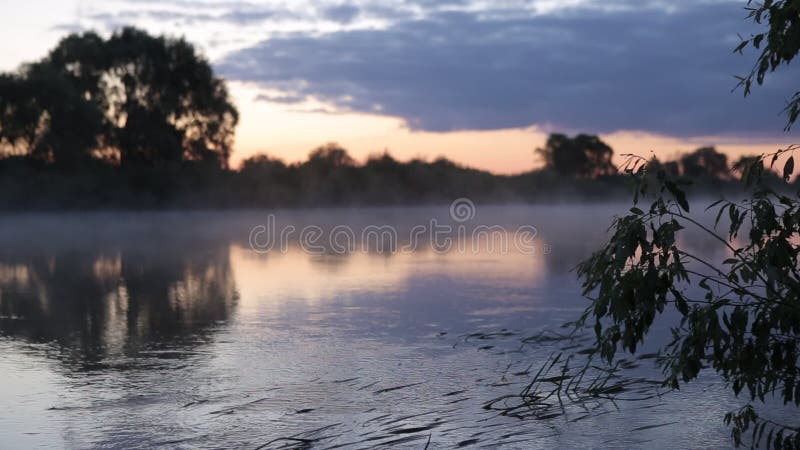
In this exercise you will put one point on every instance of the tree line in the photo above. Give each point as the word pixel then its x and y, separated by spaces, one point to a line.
pixel 330 176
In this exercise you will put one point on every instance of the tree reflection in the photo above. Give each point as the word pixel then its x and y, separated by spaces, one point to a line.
pixel 96 305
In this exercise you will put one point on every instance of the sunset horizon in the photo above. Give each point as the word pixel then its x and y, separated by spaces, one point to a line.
pixel 286 110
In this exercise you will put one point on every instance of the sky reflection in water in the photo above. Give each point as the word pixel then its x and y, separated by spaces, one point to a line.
pixel 135 330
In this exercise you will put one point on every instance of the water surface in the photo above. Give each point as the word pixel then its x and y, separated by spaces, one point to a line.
pixel 166 329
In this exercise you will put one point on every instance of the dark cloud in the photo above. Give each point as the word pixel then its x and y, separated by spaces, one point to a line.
pixel 343 13
pixel 667 71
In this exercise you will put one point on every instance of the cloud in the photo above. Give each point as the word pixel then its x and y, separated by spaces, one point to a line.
pixel 112 21
pixel 282 98
pixel 343 13
pixel 662 67
pixel 247 17
pixel 68 28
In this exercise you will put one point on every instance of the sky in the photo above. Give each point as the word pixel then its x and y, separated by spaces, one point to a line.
pixel 478 81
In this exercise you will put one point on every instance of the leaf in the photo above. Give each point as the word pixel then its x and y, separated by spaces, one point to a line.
pixel 715 203
pixel 788 168
pixel 680 303
pixel 757 40
pixel 740 47
pixel 719 215
pixel 679 195
pixel 637 211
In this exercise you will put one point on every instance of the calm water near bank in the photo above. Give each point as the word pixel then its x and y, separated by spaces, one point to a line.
pixel 136 330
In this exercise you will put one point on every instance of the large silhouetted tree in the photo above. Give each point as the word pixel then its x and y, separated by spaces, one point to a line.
pixel 151 100
pixel 584 156
pixel 42 114
pixel 705 162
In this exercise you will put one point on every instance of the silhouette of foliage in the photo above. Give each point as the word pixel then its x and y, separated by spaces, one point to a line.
pixel 584 156
pixel 745 323
pixel 41 113
pixel 705 162
pixel 778 45
pixel 133 98
pixel 738 316
pixel 670 168
pixel 330 176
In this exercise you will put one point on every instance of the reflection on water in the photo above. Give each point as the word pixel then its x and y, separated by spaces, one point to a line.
pixel 125 331
pixel 99 305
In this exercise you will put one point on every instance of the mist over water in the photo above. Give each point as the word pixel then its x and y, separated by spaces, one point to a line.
pixel 132 330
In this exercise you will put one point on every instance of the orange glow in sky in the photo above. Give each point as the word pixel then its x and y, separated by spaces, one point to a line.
pixel 290 132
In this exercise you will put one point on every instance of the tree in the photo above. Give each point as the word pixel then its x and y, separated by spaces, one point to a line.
pixel 738 315
pixel 42 114
pixel 745 323
pixel 262 164
pixel 670 168
pixel 705 162
pixel 329 174
pixel 329 157
pixel 584 156
pixel 779 44
pixel 264 180
pixel 153 100
pixel 746 326
pixel 767 177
